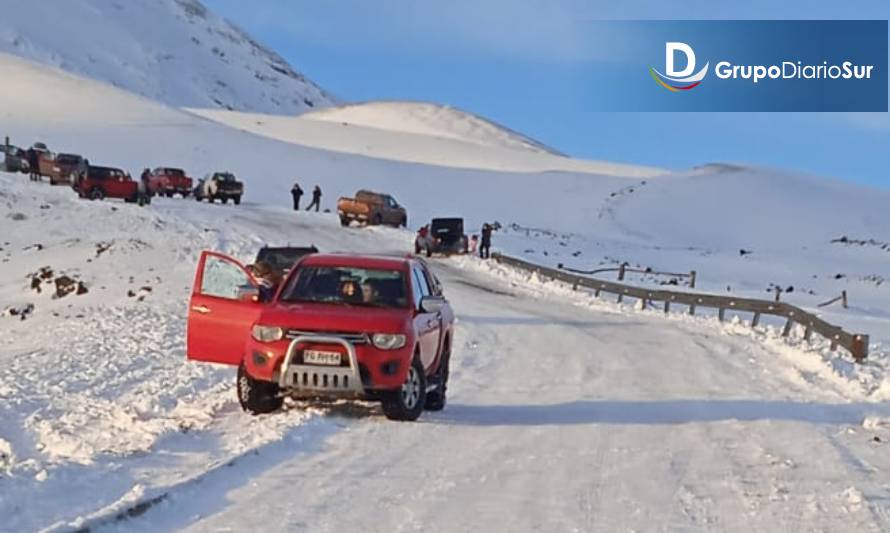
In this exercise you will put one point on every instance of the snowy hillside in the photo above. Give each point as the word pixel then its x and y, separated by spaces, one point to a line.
pixel 429 119
pixel 431 136
pixel 581 414
pixel 173 51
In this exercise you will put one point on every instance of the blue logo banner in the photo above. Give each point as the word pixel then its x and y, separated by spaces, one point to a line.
pixel 751 65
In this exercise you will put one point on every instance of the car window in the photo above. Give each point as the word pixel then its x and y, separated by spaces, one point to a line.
pixel 345 285
pixel 222 278
pixel 416 289
pixel 422 287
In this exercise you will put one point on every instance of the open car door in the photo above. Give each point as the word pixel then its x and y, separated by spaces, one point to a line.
pixel 220 317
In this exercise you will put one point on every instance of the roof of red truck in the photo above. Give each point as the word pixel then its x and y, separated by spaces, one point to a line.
pixel 381 262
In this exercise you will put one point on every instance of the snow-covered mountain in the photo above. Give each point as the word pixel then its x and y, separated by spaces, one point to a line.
pixel 174 51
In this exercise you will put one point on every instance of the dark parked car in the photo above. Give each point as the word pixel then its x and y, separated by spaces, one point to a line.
pixel 222 186
pixel 444 236
pixel 14 159
pixel 283 258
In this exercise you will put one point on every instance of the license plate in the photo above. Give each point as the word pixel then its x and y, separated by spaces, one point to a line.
pixel 316 357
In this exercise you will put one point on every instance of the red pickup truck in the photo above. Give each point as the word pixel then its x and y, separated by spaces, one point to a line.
pixel 168 182
pixel 99 183
pixel 342 326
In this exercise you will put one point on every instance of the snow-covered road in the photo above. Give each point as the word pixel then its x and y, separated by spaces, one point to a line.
pixel 565 414
pixel 566 418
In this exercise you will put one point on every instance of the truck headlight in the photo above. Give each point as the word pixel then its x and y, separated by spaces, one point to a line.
pixel 388 341
pixel 267 333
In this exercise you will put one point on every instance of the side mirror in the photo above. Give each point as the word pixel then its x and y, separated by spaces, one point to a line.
pixel 248 293
pixel 432 304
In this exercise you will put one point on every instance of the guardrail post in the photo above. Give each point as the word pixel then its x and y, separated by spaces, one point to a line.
pixel 692 279
pixel 621 271
pixel 787 329
pixel 691 309
pixel 859 348
pixel 844 298
pixel 721 314
pixel 808 332
pixel 667 307
pixel 756 320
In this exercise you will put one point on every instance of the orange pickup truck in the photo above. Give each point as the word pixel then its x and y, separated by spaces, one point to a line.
pixel 372 208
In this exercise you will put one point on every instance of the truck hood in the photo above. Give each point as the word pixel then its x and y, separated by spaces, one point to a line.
pixel 336 318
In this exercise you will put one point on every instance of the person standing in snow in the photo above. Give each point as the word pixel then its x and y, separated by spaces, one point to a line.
pixel 485 244
pixel 296 193
pixel 316 199
pixel 34 163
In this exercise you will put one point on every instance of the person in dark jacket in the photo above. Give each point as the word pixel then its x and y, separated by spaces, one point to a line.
pixel 316 199
pixel 34 163
pixel 485 243
pixel 296 193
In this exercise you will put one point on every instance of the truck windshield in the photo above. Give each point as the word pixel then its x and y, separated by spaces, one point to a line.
pixel 347 286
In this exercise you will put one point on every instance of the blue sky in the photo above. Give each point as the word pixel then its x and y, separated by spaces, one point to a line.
pixel 520 62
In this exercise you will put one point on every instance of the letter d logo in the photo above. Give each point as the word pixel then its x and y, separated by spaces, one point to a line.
pixel 682 80
pixel 670 50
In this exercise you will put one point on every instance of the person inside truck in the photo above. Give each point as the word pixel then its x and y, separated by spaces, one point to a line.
pixel 268 279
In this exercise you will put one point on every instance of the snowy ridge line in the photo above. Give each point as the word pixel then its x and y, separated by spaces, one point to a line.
pixel 855 343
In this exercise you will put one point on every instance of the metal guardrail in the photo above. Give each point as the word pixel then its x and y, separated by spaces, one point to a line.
pixel 855 343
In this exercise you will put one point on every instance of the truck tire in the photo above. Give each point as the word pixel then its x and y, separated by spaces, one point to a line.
pixel 403 223
pixel 255 396
pixel 344 221
pixel 211 199
pixel 97 194
pixel 436 399
pixel 224 200
pixel 378 219
pixel 406 403
pixel 237 200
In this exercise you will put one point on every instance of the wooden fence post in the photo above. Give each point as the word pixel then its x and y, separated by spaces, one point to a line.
pixel 844 298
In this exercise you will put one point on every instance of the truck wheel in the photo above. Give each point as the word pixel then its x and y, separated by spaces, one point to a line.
pixel 255 396
pixel 404 222
pixel 378 219
pixel 435 399
pixel 406 403
pixel 344 222
pixel 224 199
pixel 97 194
pixel 211 199
pixel 237 200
